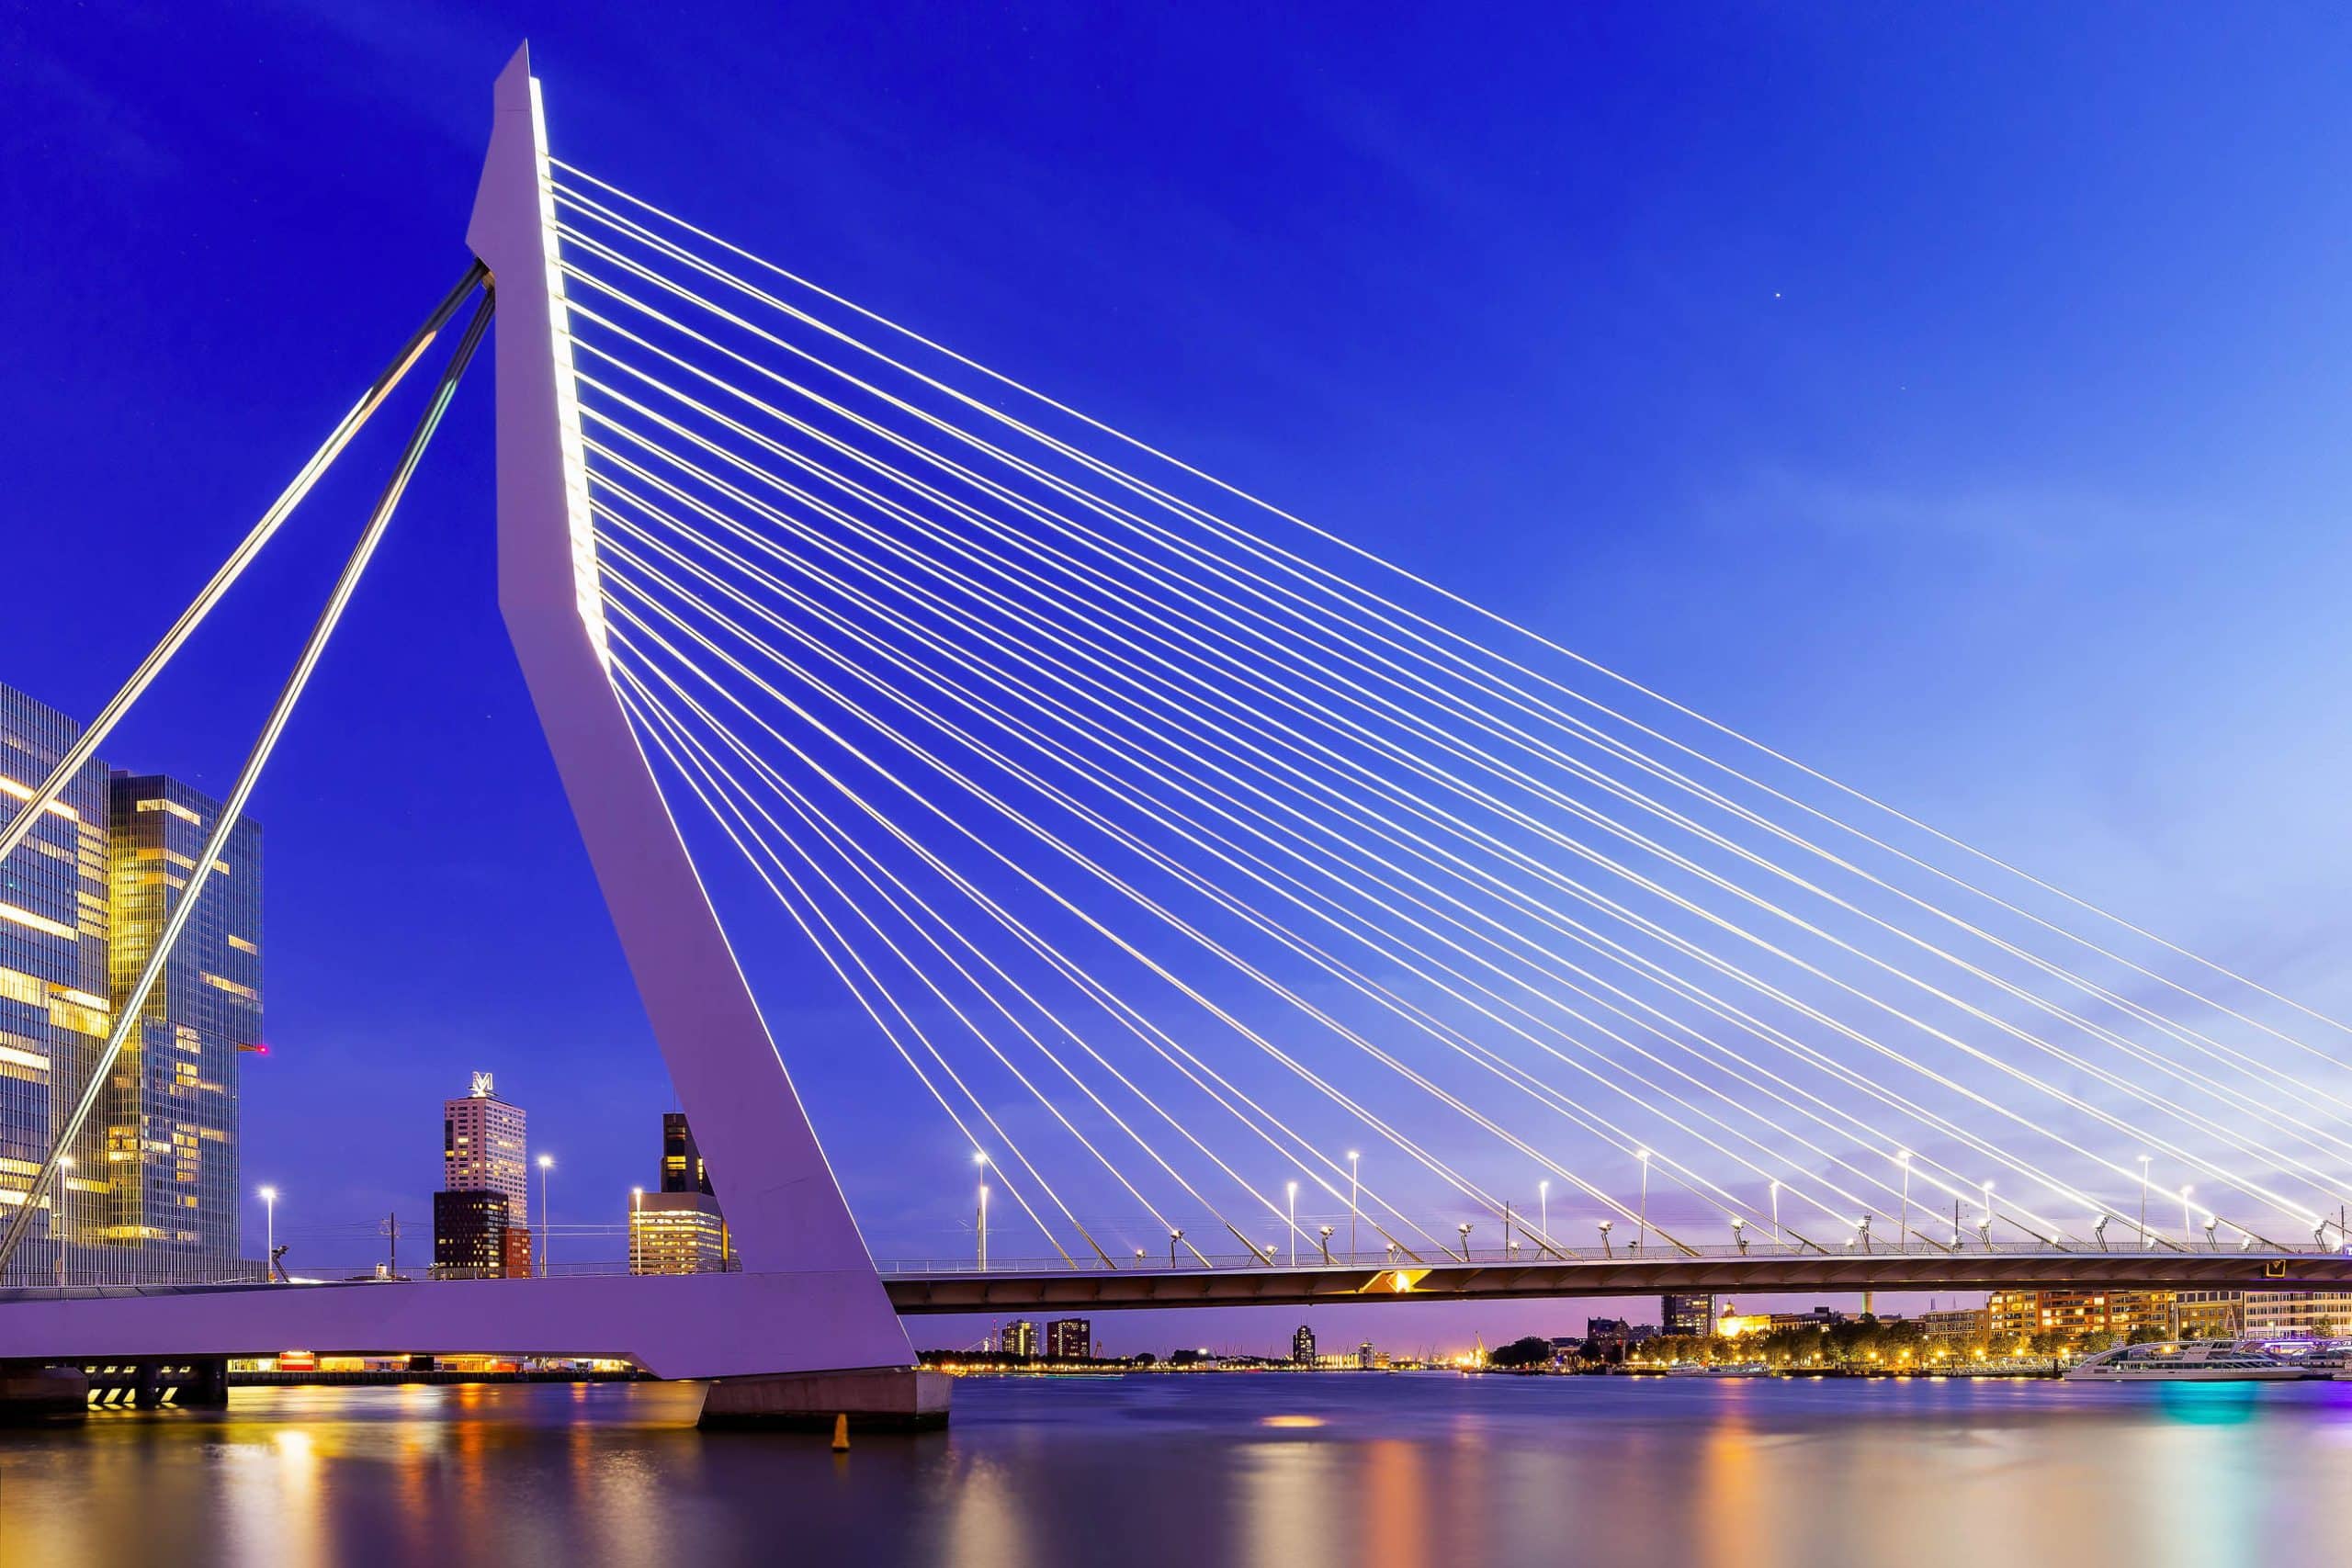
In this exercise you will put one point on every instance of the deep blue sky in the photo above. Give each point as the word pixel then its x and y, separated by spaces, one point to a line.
pixel 1955 402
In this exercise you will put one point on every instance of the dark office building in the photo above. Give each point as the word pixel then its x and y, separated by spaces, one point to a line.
pixel 471 1235
pixel 1070 1339
pixel 1302 1346
pixel 682 1166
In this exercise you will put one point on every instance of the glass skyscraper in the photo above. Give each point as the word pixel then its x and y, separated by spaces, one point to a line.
pixel 55 1009
pixel 170 1111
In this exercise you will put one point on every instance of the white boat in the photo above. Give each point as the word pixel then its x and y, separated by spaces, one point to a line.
pixel 2210 1360
pixel 2313 1357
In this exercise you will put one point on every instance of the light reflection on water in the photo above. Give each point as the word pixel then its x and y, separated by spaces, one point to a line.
pixel 1279 1471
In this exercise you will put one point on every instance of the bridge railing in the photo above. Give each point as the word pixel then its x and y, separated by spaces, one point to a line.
pixel 1529 1255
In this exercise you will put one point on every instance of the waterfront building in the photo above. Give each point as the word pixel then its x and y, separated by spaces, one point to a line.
pixel 483 1146
pixel 1609 1333
pixel 1732 1323
pixel 679 1230
pixel 1820 1317
pixel 2298 1315
pixel 1019 1338
pixel 472 1235
pixel 170 1111
pixel 2020 1315
pixel 1956 1325
pixel 55 1008
pixel 1692 1316
pixel 1070 1339
pixel 2209 1314
pixel 1302 1346
pixel 1367 1356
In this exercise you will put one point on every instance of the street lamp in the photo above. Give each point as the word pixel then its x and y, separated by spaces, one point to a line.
pixel 1604 1238
pixel 1866 1232
pixel 1985 1225
pixel 546 1216
pixel 1776 1214
pixel 1325 1232
pixel 982 1161
pixel 1464 1228
pixel 1173 1238
pixel 1543 1207
pixel 1292 1220
pixel 2098 1231
pixel 1740 1235
pixel 2185 1237
pixel 1644 1156
pixel 636 1230
pixel 1351 1205
pixel 270 1233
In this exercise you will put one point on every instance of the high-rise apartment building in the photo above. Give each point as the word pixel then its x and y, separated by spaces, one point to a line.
pixel 1302 1346
pixel 1070 1339
pixel 484 1145
pixel 169 1112
pixel 679 1229
pixel 1018 1337
pixel 56 1009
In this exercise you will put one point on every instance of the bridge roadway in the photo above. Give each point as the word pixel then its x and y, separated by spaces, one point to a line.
pixel 719 1324
pixel 918 1288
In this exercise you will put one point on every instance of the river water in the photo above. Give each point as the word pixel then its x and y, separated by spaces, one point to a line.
pixel 1275 1469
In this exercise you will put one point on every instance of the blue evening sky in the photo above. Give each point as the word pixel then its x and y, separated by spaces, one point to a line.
pixel 1954 398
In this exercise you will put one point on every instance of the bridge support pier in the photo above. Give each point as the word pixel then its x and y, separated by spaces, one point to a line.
pixel 43 1393
pixel 876 1399
pixel 203 1383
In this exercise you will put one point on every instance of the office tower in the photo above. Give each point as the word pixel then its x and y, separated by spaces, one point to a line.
pixel 679 1229
pixel 1070 1339
pixel 470 1232
pixel 1019 1338
pixel 1693 1315
pixel 170 1106
pixel 1302 1346
pixel 483 1146
pixel 54 1006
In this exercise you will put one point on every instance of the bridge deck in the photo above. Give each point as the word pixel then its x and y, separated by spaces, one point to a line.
pixel 930 1288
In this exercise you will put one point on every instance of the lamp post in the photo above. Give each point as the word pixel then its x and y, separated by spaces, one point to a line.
pixel 1173 1238
pixel 1604 1239
pixel 269 1233
pixel 1543 1207
pixel 1292 1222
pixel 2185 1237
pixel 546 1216
pixel 1985 1225
pixel 1351 1205
pixel 1325 1232
pixel 1644 1156
pixel 1464 1228
pixel 1740 1235
pixel 2144 1202
pixel 981 1160
pixel 1776 1215
pixel 636 1230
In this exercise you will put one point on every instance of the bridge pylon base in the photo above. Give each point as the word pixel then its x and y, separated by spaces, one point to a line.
pixel 876 1399
pixel 43 1393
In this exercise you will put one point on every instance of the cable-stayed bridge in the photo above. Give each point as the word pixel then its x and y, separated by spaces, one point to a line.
pixel 1260 920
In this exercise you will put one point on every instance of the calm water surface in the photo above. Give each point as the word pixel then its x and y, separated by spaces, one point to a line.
pixel 1277 1469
